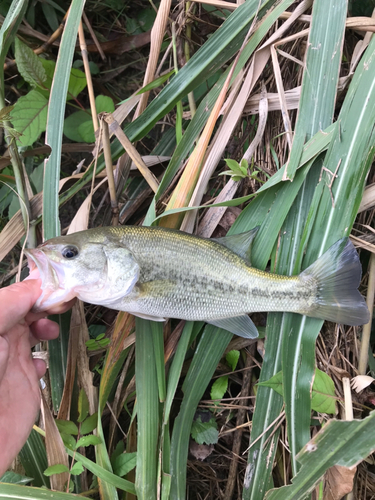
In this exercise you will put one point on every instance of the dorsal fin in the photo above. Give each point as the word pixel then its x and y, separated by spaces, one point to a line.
pixel 240 244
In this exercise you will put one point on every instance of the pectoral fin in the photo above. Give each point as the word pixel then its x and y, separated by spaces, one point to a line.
pixel 239 325
pixel 239 243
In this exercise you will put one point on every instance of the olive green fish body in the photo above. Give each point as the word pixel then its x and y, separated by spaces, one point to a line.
pixel 159 273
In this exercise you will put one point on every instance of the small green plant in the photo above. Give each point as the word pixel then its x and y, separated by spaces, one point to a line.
pixel 238 171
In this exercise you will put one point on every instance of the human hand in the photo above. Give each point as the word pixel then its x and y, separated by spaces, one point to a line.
pixel 20 330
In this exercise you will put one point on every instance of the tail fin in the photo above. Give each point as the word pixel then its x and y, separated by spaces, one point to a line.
pixel 338 274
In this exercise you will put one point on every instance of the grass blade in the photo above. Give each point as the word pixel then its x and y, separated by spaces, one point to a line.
pixel 55 121
pixel 147 412
pixel 326 450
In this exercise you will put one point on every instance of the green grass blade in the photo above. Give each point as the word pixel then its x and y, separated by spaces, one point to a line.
pixel 17 492
pixel 320 78
pixel 33 457
pixel 55 121
pixel 328 36
pixel 176 367
pixel 158 344
pixel 105 475
pixel 206 358
pixel 58 353
pixel 147 412
pixel 328 448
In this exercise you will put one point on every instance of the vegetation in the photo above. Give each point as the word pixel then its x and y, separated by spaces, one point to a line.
pixel 260 114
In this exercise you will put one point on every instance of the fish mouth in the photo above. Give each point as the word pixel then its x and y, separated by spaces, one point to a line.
pixel 51 290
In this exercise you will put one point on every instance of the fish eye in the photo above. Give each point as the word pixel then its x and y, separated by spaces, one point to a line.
pixel 69 252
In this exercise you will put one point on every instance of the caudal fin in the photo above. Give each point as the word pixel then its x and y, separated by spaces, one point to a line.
pixel 338 274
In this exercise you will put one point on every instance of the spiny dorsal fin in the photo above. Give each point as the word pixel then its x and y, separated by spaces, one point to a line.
pixel 240 244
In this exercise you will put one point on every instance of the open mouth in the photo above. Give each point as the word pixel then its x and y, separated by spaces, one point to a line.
pixel 36 259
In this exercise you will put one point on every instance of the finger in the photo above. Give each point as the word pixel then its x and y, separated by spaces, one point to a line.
pixel 16 300
pixel 44 329
pixel 40 367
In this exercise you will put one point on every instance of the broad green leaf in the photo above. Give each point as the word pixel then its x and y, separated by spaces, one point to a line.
pixel 89 424
pixel 72 126
pixel 29 64
pixel 124 463
pixel 56 469
pixel 104 103
pixel 232 358
pixel 205 432
pixel 12 477
pixel 328 448
pixel 219 388
pixel 323 392
pixel 83 406
pixel 77 469
pixel 29 117
pixel 68 440
pixel 77 82
pixel 67 427
pixel 78 126
pixel 323 397
pixel 88 440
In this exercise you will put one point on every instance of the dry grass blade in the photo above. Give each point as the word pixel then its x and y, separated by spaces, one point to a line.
pixel 157 35
pixel 56 453
pixel 132 152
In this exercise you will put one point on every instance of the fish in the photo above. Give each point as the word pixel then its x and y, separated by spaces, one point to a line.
pixel 157 273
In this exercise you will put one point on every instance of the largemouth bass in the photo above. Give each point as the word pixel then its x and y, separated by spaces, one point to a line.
pixel 158 273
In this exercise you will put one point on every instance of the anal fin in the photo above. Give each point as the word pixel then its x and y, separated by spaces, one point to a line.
pixel 239 325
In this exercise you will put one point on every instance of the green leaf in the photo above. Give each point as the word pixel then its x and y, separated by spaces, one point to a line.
pixel 219 387
pixel 323 392
pixel 338 443
pixel 103 103
pixel 232 358
pixel 29 117
pixel 78 126
pixel 29 65
pixel 88 441
pixel 12 477
pixel 124 463
pixel 56 469
pixel 155 83
pixel 68 440
pixel 77 82
pixel 67 427
pixel 205 432
pixel 83 406
pixel 323 397
pixel 89 424
pixel 77 469
pixel 72 124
